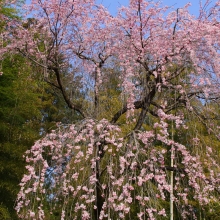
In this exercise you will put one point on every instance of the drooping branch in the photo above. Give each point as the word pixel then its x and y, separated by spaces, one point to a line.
pixel 77 108
pixel 60 86
pixel 146 104
pixel 30 58
pixel 137 105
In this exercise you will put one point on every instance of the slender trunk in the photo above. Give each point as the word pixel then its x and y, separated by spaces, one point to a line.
pixel 96 98
pixel 171 180
pixel 99 198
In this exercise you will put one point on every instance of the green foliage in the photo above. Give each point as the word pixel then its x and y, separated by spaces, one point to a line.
pixel 29 108
pixel 20 120
pixel 4 213
pixel 7 12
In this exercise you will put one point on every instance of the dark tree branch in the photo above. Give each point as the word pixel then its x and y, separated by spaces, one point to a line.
pixel 137 105
pixel 77 108
pixel 52 84
pixel 146 104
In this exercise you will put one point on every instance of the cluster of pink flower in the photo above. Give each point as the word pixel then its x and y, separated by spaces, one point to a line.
pixel 166 62
pixel 123 178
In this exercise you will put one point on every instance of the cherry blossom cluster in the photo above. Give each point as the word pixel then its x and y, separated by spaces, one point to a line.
pixel 130 173
pixel 168 74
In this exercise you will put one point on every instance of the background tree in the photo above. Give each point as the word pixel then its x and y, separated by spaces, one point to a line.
pixel 26 115
pixel 168 74
pixel 29 109
pixel 20 123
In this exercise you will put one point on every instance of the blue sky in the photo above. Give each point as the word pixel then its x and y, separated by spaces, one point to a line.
pixel 112 5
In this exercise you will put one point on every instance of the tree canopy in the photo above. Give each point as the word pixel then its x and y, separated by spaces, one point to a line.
pixel 144 89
